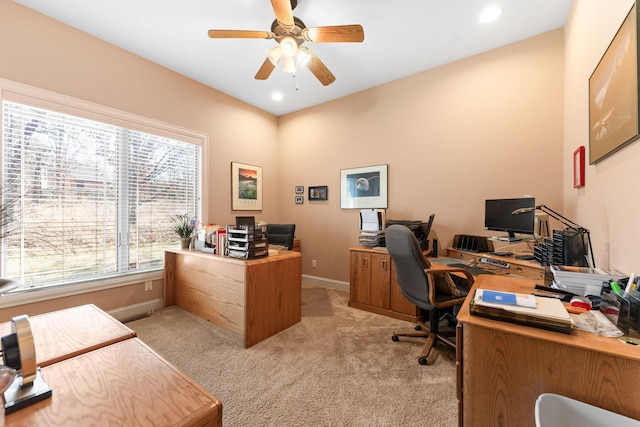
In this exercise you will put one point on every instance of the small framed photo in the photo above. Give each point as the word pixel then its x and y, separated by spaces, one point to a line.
pixel 318 193
pixel 299 200
pixel 299 189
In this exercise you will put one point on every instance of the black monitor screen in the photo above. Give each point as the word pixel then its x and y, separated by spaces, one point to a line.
pixel 498 216
pixel 245 220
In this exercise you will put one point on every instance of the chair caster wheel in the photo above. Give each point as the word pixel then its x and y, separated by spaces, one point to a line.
pixel 422 360
pixel 395 338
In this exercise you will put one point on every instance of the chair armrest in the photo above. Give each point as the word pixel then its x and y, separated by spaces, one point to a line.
pixel 427 253
pixel 432 288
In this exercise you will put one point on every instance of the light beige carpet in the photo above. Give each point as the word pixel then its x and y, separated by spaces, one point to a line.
pixel 337 367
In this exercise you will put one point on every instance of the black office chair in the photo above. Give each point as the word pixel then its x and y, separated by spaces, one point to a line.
pixel 281 234
pixel 433 290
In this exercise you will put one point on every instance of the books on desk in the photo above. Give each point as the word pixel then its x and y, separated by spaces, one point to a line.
pixel 523 309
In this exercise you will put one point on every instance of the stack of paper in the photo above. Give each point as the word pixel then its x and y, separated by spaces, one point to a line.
pixel 523 309
pixel 583 280
pixel 371 239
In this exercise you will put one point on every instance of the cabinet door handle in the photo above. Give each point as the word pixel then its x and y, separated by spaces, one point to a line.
pixel 384 264
pixel 365 262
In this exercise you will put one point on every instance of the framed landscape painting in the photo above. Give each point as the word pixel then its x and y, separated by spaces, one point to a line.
pixel 364 187
pixel 246 187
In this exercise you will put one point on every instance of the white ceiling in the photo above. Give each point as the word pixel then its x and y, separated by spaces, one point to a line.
pixel 402 37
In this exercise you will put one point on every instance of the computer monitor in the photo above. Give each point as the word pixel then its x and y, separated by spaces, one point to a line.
pixel 245 220
pixel 498 216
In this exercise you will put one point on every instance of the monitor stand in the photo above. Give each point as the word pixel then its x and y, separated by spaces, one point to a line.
pixel 511 238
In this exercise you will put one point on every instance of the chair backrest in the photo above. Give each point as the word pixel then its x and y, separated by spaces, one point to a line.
pixel 281 234
pixel 410 264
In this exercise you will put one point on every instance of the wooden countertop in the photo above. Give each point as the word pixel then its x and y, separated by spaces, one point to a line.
pixel 578 339
pixel 63 334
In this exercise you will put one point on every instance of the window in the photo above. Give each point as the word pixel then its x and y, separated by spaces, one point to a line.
pixel 85 199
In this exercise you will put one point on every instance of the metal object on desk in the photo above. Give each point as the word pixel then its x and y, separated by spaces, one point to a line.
pixel 18 352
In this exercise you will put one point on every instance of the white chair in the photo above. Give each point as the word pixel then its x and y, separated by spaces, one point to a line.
pixel 553 410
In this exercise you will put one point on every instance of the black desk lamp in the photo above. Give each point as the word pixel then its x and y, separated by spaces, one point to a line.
pixel 553 214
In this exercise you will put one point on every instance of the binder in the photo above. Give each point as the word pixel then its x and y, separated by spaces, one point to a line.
pixel 548 314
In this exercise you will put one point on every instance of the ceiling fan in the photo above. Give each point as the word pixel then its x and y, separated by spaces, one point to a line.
pixel 290 33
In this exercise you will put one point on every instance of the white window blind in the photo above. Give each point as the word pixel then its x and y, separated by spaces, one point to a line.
pixel 83 200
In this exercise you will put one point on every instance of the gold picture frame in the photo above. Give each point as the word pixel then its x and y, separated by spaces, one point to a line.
pixel 613 93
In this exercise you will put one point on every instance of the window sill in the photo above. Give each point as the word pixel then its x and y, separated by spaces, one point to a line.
pixel 40 294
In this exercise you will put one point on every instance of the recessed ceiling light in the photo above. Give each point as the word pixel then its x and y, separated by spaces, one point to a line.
pixel 277 96
pixel 491 13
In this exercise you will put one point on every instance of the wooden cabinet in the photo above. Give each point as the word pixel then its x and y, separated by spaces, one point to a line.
pixel 373 285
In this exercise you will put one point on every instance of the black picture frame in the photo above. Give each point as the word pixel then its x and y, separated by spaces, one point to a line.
pixel 319 192
pixel 613 93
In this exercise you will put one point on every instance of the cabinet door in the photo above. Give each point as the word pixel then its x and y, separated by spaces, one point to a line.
pixel 380 274
pixel 360 276
pixel 397 301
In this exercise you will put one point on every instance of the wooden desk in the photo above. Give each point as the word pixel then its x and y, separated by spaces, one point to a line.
pixel 125 383
pixel 252 298
pixel 502 368
pixel 517 267
pixel 63 334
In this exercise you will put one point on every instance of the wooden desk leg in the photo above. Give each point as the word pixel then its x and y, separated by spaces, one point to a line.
pixel 169 278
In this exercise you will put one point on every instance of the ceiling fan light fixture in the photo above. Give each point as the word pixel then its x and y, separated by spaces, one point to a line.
pixel 303 56
pixel 289 46
pixel 274 54
pixel 289 64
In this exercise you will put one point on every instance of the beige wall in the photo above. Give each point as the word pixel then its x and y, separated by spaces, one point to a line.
pixel 489 126
pixel 607 203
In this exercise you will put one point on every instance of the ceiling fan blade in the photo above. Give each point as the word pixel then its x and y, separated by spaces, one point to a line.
pixel 337 33
pixel 240 34
pixel 319 70
pixel 265 70
pixel 284 14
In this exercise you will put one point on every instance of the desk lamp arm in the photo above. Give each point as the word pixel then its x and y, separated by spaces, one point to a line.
pixel 562 219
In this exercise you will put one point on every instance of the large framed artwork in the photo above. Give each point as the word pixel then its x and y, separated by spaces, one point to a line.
pixel 364 187
pixel 613 93
pixel 246 187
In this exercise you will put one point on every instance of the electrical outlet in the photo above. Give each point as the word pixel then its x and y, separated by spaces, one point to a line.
pixel 148 285
pixel 314 263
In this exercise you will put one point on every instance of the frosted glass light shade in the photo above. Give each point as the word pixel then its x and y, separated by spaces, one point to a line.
pixel 289 46
pixel 274 54
pixel 289 65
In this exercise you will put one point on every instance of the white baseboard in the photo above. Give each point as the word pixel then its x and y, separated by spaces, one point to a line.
pixel 136 311
pixel 326 283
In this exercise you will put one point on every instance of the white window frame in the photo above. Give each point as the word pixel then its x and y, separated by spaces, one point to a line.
pixel 29 95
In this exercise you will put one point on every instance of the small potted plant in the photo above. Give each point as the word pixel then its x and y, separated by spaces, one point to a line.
pixel 184 229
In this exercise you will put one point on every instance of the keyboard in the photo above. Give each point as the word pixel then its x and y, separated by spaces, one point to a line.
pixel 473 270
